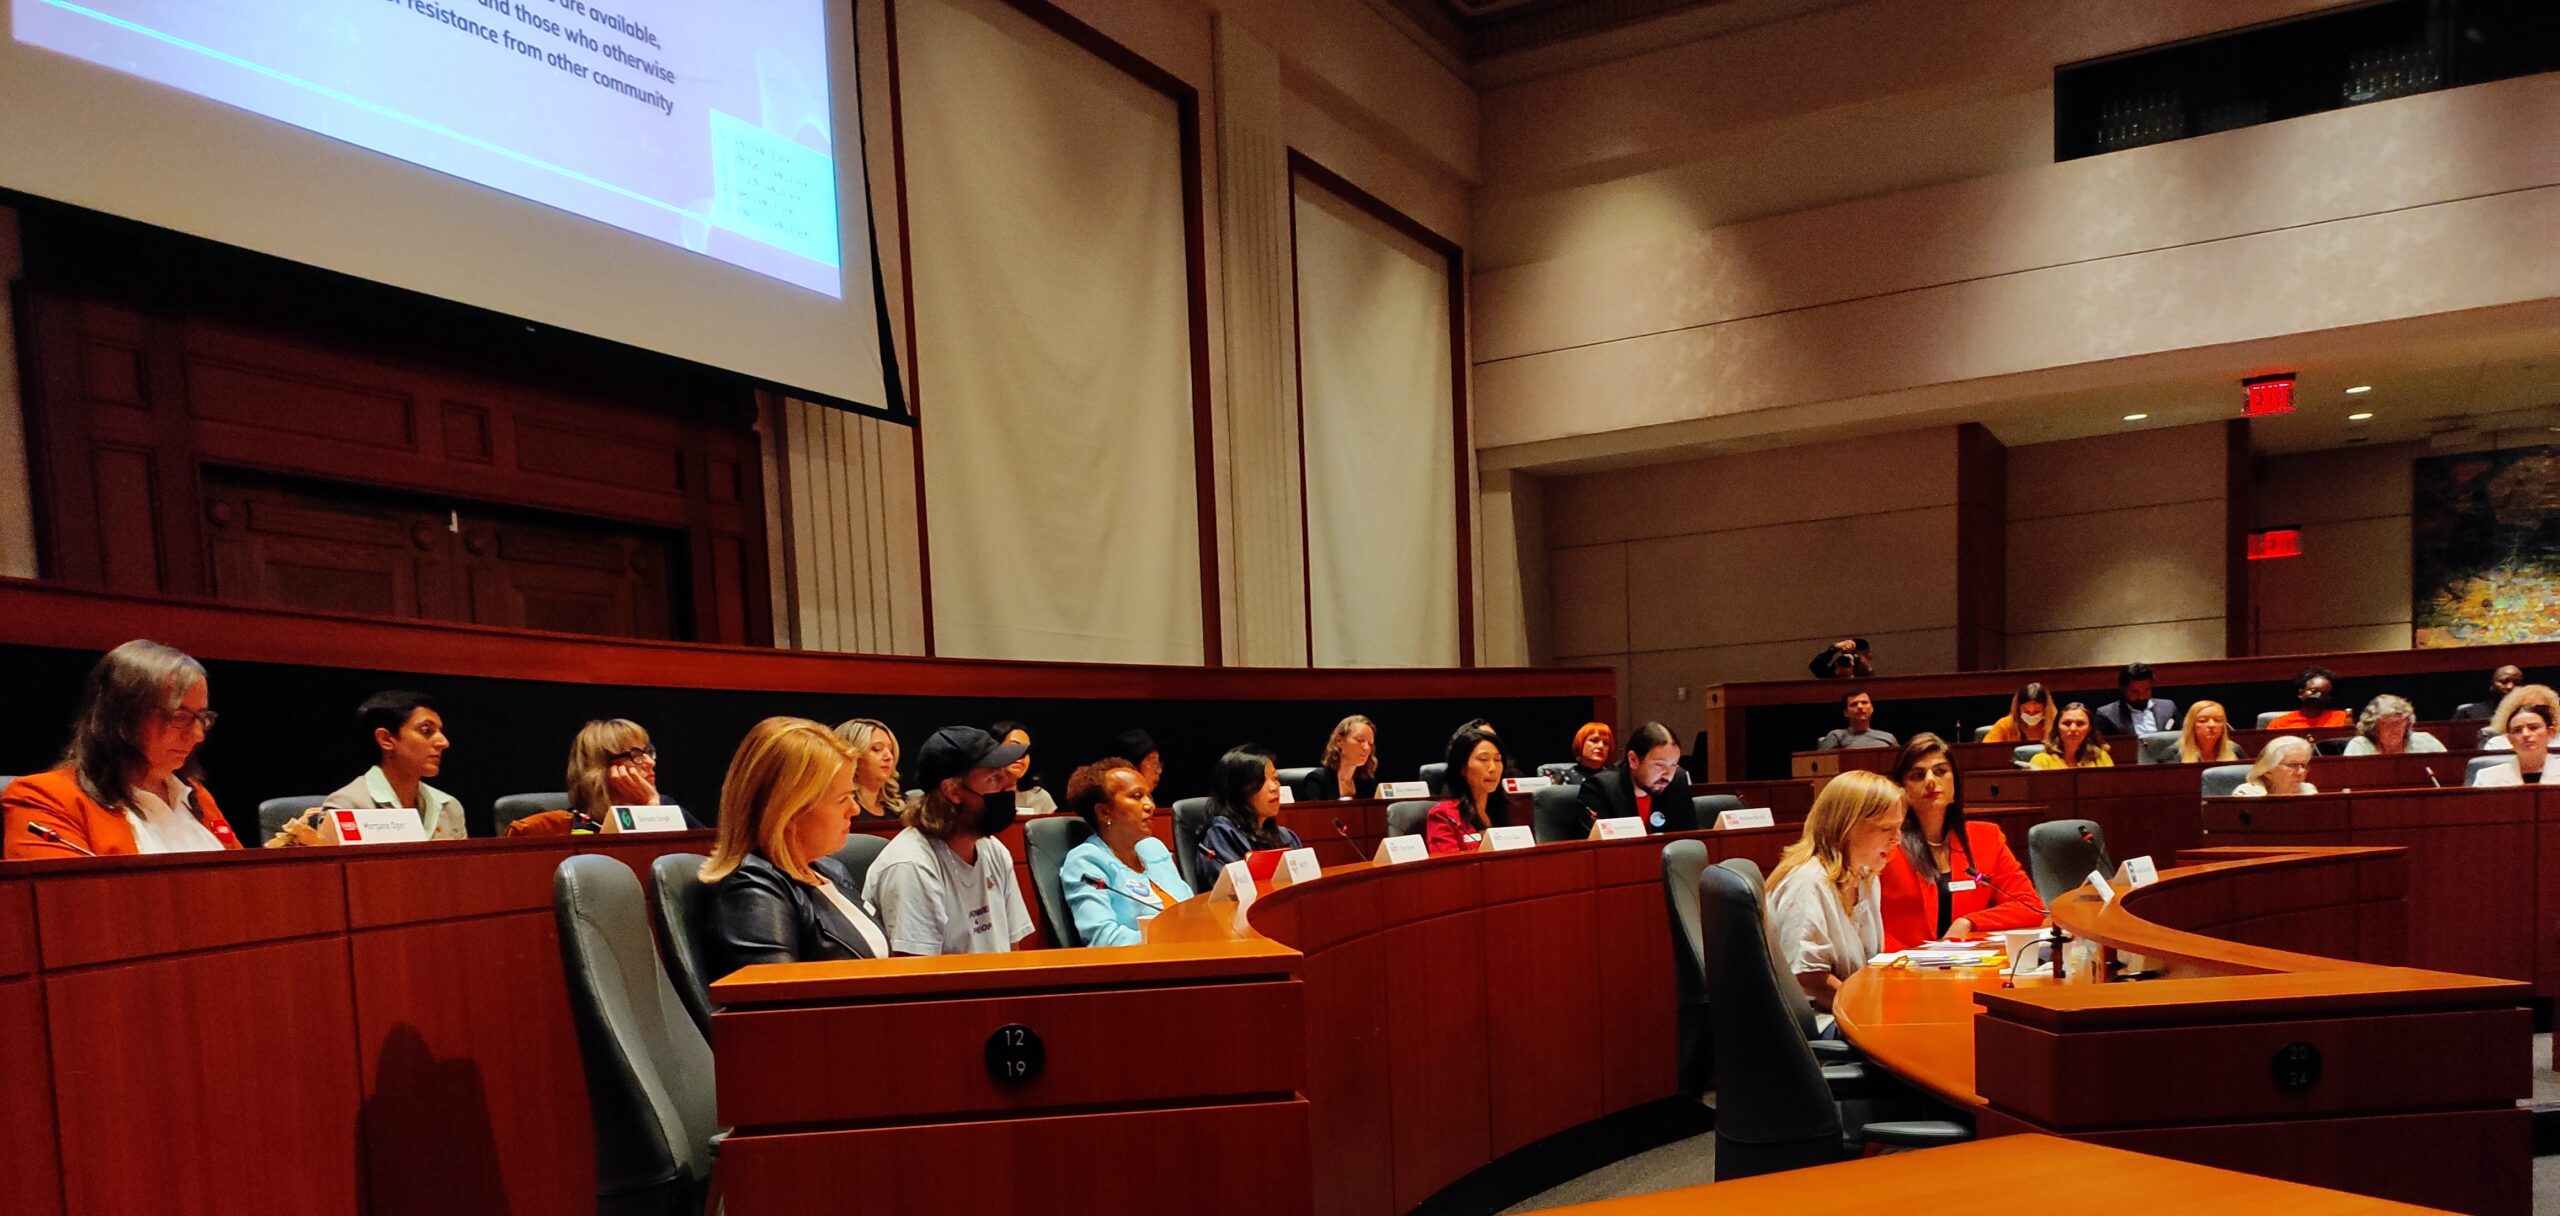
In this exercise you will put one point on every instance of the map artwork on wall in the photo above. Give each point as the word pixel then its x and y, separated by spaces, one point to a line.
pixel 2485 544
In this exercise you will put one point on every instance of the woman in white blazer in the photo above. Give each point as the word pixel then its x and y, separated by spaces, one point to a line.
pixel 2529 733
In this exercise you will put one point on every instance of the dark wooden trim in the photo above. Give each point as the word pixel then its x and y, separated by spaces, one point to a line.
pixel 907 287
pixel 1298 379
pixel 2239 510
pixel 1204 447
pixel 1303 165
pixel 38 613
pixel 1982 549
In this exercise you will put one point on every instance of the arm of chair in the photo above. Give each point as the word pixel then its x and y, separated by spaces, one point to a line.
pixel 1915 1133
pixel 1833 1051
pixel 1848 1082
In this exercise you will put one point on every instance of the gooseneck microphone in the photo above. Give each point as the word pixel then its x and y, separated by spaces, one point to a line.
pixel 1343 830
pixel 1095 881
pixel 49 836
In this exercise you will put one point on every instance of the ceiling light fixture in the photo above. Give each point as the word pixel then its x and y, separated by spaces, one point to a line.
pixel 2361 388
pixel 2135 417
pixel 2359 417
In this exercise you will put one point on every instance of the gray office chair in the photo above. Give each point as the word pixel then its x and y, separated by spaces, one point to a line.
pixel 1047 839
pixel 1555 813
pixel 2023 753
pixel 2221 779
pixel 2270 716
pixel 2160 747
pixel 683 900
pixel 1980 732
pixel 1432 774
pixel 1774 1107
pixel 1836 1055
pixel 1190 824
pixel 2060 855
pixel 649 1080
pixel 4 783
pixel 1290 777
pixel 1681 861
pixel 273 812
pixel 2331 747
pixel 512 807
pixel 859 851
pixel 2477 765
pixel 1405 818
pixel 1708 806
pixel 1556 772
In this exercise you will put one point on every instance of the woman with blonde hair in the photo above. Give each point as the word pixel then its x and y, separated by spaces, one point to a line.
pixel 2283 769
pixel 2073 742
pixel 2529 694
pixel 1824 907
pixel 785 807
pixel 875 767
pixel 611 763
pixel 2388 727
pixel 2207 737
pixel 1350 768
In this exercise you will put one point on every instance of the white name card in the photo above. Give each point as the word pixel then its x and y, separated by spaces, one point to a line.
pixel 1624 827
pixel 1516 836
pixel 1746 817
pixel 378 825
pixel 1525 785
pixel 1404 789
pixel 2140 871
pixel 668 818
pixel 1235 881
pixel 1287 795
pixel 1296 865
pixel 2106 890
pixel 1396 850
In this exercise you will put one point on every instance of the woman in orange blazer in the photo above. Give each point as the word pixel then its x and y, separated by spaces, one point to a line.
pixel 126 784
pixel 1950 878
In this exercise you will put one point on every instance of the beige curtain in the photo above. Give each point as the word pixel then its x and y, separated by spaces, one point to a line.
pixel 1052 344
pixel 1377 386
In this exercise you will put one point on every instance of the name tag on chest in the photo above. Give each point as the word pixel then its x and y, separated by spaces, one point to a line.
pixel 1961 885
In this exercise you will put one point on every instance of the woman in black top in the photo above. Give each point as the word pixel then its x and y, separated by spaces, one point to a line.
pixel 1350 768
pixel 785 807
pixel 1244 814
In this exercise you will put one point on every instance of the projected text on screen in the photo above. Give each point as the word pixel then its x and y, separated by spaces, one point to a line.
pixel 702 125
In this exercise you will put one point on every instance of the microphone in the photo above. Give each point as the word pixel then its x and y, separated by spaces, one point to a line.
pixel 1095 881
pixel 2431 779
pixel 49 836
pixel 1343 830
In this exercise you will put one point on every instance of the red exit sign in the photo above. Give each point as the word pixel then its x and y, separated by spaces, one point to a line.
pixel 2268 395
pixel 2274 543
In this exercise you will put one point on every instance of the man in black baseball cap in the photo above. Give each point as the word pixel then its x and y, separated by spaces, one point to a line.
pixel 945 885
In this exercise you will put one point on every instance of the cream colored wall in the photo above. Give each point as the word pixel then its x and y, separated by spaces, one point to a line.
pixel 2350 589
pixel 2117 548
pixel 17 498
pixel 1740 567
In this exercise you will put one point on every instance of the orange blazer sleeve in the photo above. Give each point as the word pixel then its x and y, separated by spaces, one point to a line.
pixel 55 801
pixel 2018 905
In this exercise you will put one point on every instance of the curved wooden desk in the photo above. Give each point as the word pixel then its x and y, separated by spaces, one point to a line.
pixel 2345 1072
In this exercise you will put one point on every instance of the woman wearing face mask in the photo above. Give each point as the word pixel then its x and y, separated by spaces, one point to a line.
pixel 1824 919
pixel 2073 743
pixel 1950 877
pixel 2030 718
pixel 1028 794
pixel 2315 694
pixel 1594 746
pixel 779 897
pixel 875 768
pixel 1350 768
pixel 2207 738
pixel 1123 876
pixel 2283 769
pixel 1476 803
pixel 944 884
pixel 1244 814
pixel 2529 735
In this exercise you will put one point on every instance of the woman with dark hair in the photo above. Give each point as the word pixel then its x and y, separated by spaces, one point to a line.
pixel 1244 814
pixel 128 782
pixel 1476 803
pixel 2030 718
pixel 1136 744
pixel 1028 797
pixel 1950 877
pixel 1350 768
pixel 1121 876
pixel 2073 743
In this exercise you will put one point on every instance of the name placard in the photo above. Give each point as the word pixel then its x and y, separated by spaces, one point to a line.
pixel 1235 881
pixel 1623 827
pixel 1287 795
pixel 1525 785
pixel 378 825
pixel 1296 865
pixel 2106 890
pixel 665 818
pixel 1396 850
pixel 1516 836
pixel 1404 789
pixel 1746 817
pixel 2140 871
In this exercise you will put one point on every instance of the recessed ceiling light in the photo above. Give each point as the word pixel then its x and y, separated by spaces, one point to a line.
pixel 2361 388
pixel 2135 417
pixel 2359 417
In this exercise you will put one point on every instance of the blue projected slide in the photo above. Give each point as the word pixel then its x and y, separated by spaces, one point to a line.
pixel 703 125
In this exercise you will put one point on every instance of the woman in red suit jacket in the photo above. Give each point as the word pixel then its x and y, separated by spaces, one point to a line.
pixel 1950 878
pixel 127 784
pixel 1476 804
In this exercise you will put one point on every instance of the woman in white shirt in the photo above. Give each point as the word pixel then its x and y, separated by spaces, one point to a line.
pixel 785 807
pixel 2386 728
pixel 2529 734
pixel 1823 920
pixel 2283 768
pixel 2495 739
pixel 128 782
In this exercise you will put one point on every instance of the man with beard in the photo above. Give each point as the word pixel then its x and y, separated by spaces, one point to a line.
pixel 1646 783
pixel 945 884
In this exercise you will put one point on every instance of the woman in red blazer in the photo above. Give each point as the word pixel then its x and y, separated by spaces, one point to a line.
pixel 1950 878
pixel 1476 803
pixel 127 783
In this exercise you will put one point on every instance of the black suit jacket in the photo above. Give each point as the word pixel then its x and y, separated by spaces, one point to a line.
pixel 761 915
pixel 2476 711
pixel 1323 786
pixel 2116 717
pixel 1610 794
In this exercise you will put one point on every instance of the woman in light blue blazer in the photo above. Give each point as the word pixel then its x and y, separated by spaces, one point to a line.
pixel 1122 876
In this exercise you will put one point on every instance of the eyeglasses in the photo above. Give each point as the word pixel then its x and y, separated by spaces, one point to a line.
pixel 646 751
pixel 201 717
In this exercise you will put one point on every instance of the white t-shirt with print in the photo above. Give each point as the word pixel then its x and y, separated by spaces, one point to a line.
pixel 931 902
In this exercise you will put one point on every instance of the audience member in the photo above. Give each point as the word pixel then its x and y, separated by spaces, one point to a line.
pixel 1824 920
pixel 1350 768
pixel 611 763
pixel 128 782
pixel 1028 793
pixel 2313 691
pixel 1860 711
pixel 1244 814
pixel 2283 768
pixel 1122 876
pixel 2135 711
pixel 1951 877
pixel 2029 719
pixel 779 896
pixel 1593 746
pixel 405 734
pixel 2523 695
pixel 1647 782
pixel 2074 742
pixel 2207 738
pixel 944 884
pixel 2501 682
pixel 2529 736
pixel 1136 744
pixel 1476 803
pixel 1846 659
pixel 2387 727
pixel 875 767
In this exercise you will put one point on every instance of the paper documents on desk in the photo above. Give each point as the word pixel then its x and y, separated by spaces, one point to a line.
pixel 1936 955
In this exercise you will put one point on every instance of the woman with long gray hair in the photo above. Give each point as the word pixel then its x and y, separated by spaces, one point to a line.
pixel 128 783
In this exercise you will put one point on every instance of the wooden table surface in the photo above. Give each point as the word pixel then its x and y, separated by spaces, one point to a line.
pixel 2050 1175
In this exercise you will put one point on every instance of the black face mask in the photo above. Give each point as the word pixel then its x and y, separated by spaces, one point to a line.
pixel 996 813
pixel 2315 700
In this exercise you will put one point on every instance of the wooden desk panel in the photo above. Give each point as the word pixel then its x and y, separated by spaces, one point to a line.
pixel 17 929
pixel 2458 1161
pixel 397 890
pixel 1349 1046
pixel 1438 1076
pixel 31 1185
pixel 1639 1031
pixel 96 917
pixel 1543 976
